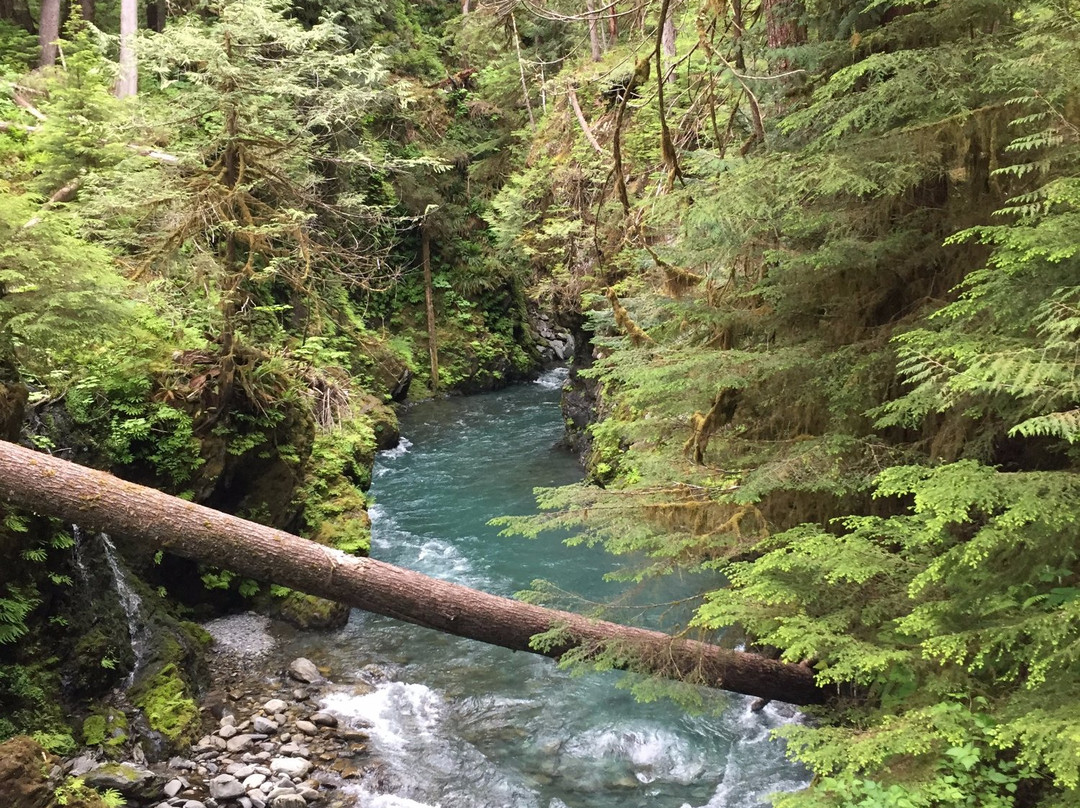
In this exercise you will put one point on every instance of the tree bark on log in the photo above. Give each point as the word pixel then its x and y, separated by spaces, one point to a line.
pixel 99 501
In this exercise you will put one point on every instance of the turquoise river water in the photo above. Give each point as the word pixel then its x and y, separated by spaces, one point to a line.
pixel 460 724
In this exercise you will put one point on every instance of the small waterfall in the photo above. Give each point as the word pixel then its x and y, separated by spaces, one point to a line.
pixel 138 630
pixel 80 562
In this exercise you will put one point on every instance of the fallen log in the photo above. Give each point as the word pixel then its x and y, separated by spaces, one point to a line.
pixel 100 501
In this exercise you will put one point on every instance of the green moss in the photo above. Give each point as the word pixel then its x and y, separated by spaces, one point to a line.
pixel 197 633
pixel 335 508
pixel 168 706
pixel 107 728
pixel 94 728
pixel 308 611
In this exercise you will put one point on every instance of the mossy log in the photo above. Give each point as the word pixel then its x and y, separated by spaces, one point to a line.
pixel 99 501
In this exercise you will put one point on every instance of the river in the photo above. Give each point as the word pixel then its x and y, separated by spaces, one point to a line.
pixel 460 724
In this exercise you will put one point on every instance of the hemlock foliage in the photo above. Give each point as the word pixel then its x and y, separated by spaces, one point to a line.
pixel 836 363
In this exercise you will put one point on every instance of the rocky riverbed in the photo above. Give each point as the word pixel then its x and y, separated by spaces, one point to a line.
pixel 267 741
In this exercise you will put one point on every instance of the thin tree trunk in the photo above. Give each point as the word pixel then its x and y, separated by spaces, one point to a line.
pixel 87 10
pixel 639 77
pixel 521 71
pixel 464 6
pixel 613 26
pixel 127 83
pixel 667 146
pixel 99 501
pixel 667 40
pixel 594 33
pixel 429 301
pixel 738 31
pixel 49 32
pixel 572 95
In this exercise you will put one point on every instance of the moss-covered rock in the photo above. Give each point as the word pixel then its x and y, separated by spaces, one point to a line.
pixel 339 471
pixel 25 781
pixel 167 702
pixel 24 766
pixel 305 611
pixel 106 727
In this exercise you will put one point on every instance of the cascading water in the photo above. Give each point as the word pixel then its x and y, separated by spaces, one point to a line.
pixel 460 724
pixel 80 562
pixel 138 630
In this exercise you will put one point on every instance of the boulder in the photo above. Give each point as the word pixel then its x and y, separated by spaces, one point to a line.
pixel 275 706
pixel 295 767
pixel 304 670
pixel 225 786
pixel 254 781
pixel 135 783
pixel 242 742
pixel 324 719
pixel 288 801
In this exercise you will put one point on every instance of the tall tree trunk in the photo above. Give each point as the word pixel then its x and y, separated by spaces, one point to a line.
pixel 613 26
pixel 156 13
pixel 49 32
pixel 521 71
pixel 127 83
pixel 99 501
pixel 18 12
pixel 464 7
pixel 233 276
pixel 429 302
pixel 594 33
pixel 782 27
pixel 87 10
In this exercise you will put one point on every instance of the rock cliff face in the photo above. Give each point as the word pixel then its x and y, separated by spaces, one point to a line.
pixel 555 343
pixel 581 396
